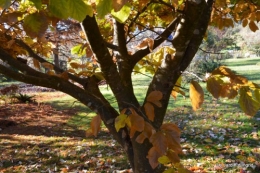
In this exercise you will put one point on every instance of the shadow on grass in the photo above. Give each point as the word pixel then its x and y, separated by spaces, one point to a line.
pixel 60 154
pixel 243 62
pixel 217 134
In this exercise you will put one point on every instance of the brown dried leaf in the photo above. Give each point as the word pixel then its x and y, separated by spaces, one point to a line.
pixel 36 64
pixel 118 4
pixel 137 123
pixel 159 141
pixel 75 65
pixel 64 75
pixel 245 22
pixel 147 42
pixel 154 96
pixel 153 156
pixel 170 127
pixel 47 65
pixel 149 110
pixel 173 156
pixel 172 133
pixel 147 133
pixel 95 125
pixel 253 27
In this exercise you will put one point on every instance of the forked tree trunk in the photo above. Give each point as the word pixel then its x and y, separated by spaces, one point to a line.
pixel 191 27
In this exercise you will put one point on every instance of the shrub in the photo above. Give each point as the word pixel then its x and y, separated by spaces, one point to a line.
pixel 24 98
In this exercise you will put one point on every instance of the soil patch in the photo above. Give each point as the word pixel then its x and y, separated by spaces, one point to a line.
pixel 36 119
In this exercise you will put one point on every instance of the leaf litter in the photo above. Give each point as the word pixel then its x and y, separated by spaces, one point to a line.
pixel 38 138
pixel 216 138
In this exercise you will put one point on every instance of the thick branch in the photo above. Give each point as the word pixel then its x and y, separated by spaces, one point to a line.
pixel 108 67
pixel 196 40
pixel 121 39
pixel 169 71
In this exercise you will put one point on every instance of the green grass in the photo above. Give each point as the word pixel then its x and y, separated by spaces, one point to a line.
pixel 217 138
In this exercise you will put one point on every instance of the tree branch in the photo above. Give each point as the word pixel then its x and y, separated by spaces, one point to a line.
pixel 41 60
pixel 108 67
pixel 137 56
pixel 169 71
pixel 137 15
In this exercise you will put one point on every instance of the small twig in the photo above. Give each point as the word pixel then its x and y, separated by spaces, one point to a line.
pixel 193 74
pixel 210 52
pixel 143 74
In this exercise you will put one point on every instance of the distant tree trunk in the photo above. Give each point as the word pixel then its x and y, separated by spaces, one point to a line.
pixel 56 56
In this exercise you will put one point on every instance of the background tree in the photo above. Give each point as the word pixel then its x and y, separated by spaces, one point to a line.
pixel 109 27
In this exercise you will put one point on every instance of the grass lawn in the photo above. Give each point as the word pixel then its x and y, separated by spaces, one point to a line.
pixel 217 138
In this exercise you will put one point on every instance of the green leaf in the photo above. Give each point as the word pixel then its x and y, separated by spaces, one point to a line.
pixel 249 105
pixel 77 50
pixel 35 24
pixel 59 8
pixel 164 160
pixel 78 9
pixel 5 3
pixel 122 15
pixel 99 76
pixel 103 7
pixel 120 121
pixel 37 3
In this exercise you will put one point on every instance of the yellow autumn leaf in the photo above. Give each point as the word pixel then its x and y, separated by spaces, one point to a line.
pixel 164 160
pixel 214 86
pixel 120 121
pixel 196 95
pixel 222 70
pixel 174 94
pixel 247 103
pixel 170 170
pixel 257 94
pixel 228 91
